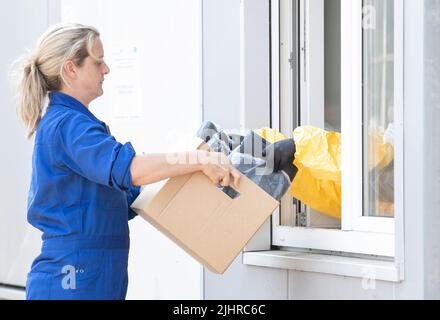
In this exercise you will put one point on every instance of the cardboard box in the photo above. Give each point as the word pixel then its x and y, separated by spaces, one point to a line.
pixel 203 220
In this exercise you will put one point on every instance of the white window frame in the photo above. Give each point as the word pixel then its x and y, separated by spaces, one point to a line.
pixel 359 234
pixel 352 213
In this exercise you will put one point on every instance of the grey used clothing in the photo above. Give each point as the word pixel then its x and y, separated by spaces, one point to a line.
pixel 270 166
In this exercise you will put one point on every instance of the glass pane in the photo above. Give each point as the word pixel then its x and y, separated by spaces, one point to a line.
pixel 332 65
pixel 306 216
pixel 378 107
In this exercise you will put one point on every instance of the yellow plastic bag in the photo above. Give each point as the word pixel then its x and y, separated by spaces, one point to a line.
pixel 318 159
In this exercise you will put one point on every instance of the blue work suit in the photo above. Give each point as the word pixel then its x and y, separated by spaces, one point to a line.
pixel 79 198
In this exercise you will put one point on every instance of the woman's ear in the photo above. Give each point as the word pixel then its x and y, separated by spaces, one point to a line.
pixel 69 69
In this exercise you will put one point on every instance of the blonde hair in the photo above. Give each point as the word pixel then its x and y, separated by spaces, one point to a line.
pixel 41 72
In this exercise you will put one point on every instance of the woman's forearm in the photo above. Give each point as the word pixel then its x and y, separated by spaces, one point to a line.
pixel 151 168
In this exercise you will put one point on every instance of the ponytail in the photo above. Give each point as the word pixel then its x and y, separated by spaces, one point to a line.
pixel 32 90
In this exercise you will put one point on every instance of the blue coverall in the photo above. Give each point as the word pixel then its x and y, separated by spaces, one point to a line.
pixel 79 198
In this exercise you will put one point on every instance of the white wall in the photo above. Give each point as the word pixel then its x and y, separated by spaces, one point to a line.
pixel 21 23
pixel 221 62
pixel 432 147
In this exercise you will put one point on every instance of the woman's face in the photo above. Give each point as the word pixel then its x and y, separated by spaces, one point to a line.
pixel 90 76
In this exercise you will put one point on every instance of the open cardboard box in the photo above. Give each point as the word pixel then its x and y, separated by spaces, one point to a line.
pixel 199 217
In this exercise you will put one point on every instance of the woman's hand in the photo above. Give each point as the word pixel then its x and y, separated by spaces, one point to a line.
pixel 217 167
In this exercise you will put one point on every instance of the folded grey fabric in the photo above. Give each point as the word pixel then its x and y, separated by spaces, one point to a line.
pixel 274 183
pixel 252 156
pixel 216 138
pixel 207 130
pixel 220 143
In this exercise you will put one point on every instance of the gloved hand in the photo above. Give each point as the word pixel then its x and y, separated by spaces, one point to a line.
pixel 279 156
pixel 283 153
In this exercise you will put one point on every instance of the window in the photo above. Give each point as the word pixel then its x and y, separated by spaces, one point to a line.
pixel 340 68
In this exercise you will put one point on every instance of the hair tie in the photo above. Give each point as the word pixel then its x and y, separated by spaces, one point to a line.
pixel 34 68
pixel 35 65
pixel 32 65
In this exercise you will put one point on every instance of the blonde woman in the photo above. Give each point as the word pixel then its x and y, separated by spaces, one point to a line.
pixel 83 180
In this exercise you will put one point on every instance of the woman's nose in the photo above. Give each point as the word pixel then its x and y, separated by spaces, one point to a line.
pixel 106 69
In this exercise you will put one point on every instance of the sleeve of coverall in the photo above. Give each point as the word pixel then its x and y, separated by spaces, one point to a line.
pixel 93 153
pixel 132 194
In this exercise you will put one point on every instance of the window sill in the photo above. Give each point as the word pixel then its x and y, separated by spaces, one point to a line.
pixel 327 264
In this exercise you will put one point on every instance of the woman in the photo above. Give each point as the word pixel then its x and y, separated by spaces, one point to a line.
pixel 83 180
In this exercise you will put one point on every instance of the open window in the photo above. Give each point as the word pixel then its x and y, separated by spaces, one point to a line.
pixel 337 65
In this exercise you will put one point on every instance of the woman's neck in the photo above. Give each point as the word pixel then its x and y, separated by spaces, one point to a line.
pixel 78 97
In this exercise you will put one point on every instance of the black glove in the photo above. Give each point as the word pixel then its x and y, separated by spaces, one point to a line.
pixel 281 154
